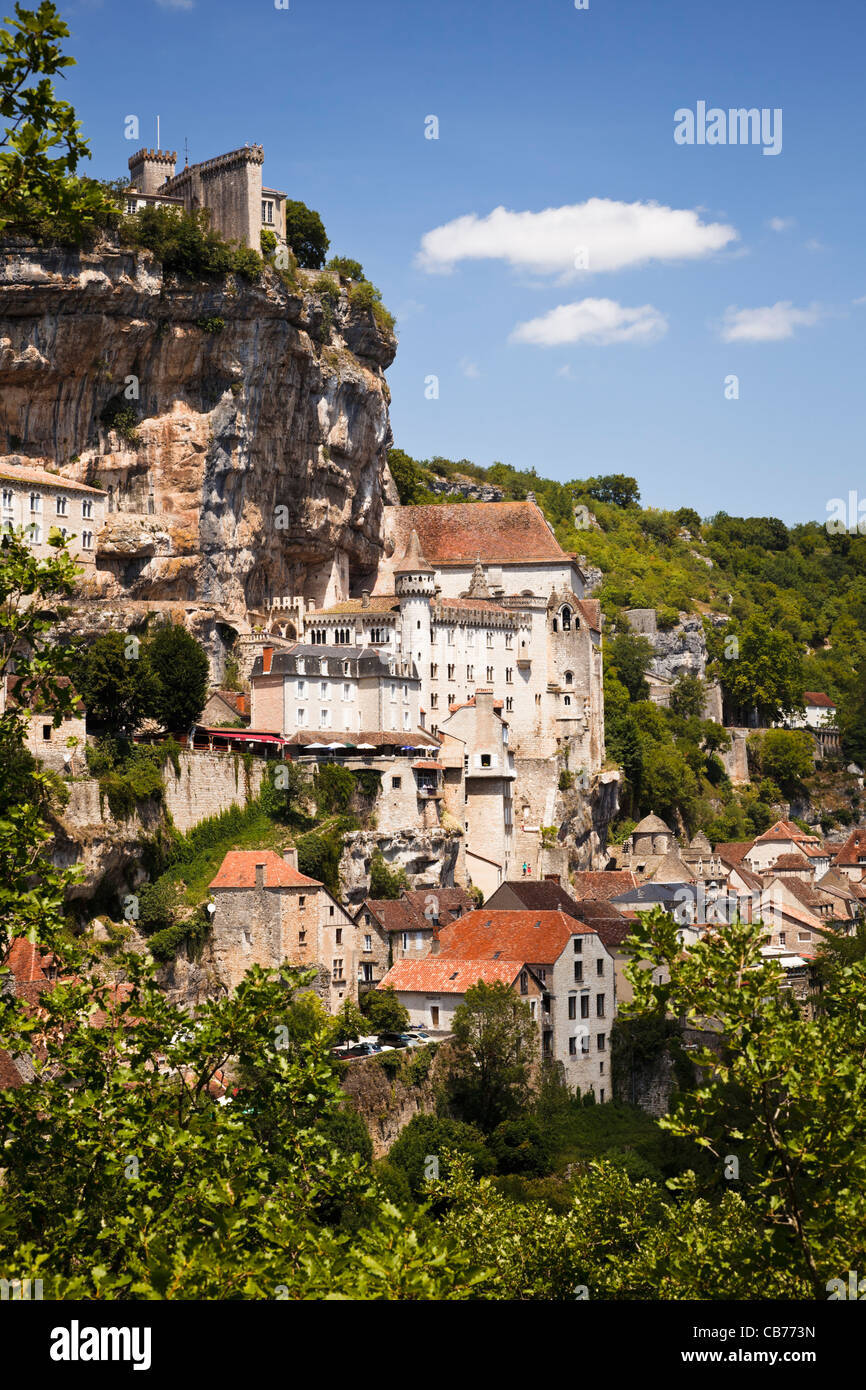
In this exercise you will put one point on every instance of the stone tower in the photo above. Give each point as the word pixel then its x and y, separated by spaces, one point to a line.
pixel 414 585
pixel 149 169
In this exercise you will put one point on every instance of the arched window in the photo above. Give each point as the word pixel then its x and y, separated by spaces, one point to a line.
pixel 566 619
pixel 569 678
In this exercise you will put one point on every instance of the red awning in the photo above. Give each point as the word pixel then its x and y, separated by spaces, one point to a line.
pixel 242 734
pixel 423 764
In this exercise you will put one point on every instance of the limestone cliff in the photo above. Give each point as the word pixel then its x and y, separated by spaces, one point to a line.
pixel 261 420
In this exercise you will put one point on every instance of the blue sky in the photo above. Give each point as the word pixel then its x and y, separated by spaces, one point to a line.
pixel 750 265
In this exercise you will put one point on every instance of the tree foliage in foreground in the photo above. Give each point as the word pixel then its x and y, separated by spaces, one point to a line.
pixel 42 145
pixel 787 1091
pixel 31 890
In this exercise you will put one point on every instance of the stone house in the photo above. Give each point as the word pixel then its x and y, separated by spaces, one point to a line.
pixel 576 972
pixel 49 745
pixel 35 501
pixel 267 913
pixel 432 990
pixel 850 860
pixel 786 838
pixel 406 927
pixel 229 186
pixel 225 707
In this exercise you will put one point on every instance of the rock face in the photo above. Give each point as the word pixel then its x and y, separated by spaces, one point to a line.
pixel 584 818
pixel 460 486
pixel 261 421
pixel 677 651
pixel 431 859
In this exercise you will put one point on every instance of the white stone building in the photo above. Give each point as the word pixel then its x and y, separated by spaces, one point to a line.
pixel 36 501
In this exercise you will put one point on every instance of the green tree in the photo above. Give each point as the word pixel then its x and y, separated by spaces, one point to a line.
pixel 763 673
pixel 152 1190
pixel 349 1023
pixel 305 234
pixel 384 1012
pixel 180 671
pixel 432 1136
pixel 42 144
pixel 495 1050
pixel 31 889
pixel 785 1091
pixel 669 784
pixel 115 682
pixel 410 478
pixel 346 267
pixel 631 655
pixel 785 756
pixel 615 488
pixel 687 696
pixel 521 1146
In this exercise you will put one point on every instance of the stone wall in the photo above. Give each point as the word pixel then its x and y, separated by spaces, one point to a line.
pixel 735 760
pixel 387 1105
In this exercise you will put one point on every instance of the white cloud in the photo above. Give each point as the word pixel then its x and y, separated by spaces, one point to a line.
pixel 769 324
pixel 175 4
pixel 468 368
pixel 861 300
pixel 594 321
pixel 594 236
pixel 781 224
pixel 813 244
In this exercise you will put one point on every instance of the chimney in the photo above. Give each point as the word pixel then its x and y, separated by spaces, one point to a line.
pixel 434 944
pixel 553 878
pixel 267 658
pixel 365 598
pixel 260 875
pixel 290 857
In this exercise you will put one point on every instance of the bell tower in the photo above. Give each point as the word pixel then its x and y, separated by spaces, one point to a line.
pixel 414 585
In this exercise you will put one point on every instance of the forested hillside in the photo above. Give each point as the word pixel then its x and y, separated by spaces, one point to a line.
pixel 794 598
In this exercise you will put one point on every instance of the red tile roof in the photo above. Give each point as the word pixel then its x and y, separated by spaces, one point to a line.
pixel 817 697
pixel 41 475
pixel 853 849
pixel 606 884
pixel 537 937
pixel 460 533
pixel 733 852
pixel 794 860
pixel 439 975
pixel 238 870
pixel 784 830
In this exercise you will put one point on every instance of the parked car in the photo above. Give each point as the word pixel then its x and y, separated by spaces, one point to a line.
pixel 400 1039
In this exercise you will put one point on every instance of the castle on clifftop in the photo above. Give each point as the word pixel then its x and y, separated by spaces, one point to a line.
pixel 229 186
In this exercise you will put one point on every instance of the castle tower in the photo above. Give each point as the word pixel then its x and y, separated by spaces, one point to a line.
pixel 149 169
pixel 414 585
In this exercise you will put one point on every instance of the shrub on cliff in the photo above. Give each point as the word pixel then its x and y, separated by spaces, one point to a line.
pixel 366 296
pixel 186 244
pixel 384 882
